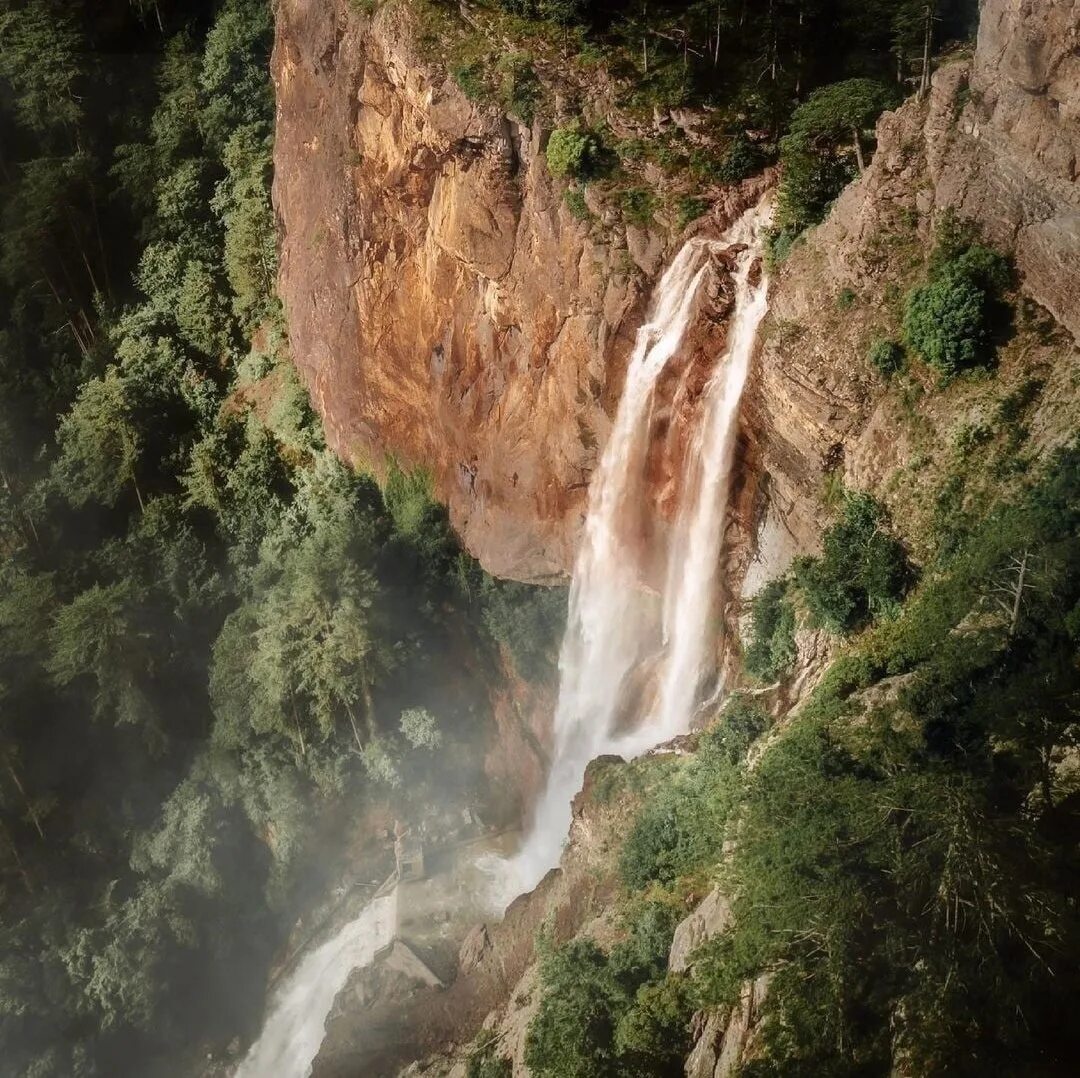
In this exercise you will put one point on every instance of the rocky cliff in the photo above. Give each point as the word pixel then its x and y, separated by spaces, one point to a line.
pixel 446 307
pixel 444 304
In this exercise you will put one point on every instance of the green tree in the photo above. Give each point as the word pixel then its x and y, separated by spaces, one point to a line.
pixel 99 444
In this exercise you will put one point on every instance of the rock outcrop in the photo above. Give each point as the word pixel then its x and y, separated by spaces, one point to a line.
pixel 444 305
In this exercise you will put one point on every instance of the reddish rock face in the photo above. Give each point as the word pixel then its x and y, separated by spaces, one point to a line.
pixel 443 304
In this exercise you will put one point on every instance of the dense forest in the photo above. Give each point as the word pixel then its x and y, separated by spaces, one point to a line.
pixel 212 632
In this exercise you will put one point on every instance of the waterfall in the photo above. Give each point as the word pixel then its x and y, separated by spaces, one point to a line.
pixel 609 622
pixel 613 626
pixel 296 1023
pixel 696 549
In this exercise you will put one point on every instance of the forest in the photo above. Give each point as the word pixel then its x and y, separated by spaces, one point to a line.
pixel 211 631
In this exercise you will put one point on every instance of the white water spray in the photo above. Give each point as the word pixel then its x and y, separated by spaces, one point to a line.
pixel 296 1023
pixel 608 620
pixel 697 546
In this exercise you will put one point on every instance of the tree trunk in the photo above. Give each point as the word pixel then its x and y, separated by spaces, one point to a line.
pixel 352 723
pixel 369 707
pixel 858 150
pixel 26 800
pixel 928 37
pixel 1019 595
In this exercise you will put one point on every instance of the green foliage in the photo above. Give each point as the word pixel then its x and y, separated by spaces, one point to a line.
pixel 771 651
pixel 212 633
pixel 637 205
pixel 574 152
pixel 896 868
pixel 421 728
pixel 741 160
pixel 471 80
pixel 576 204
pixel 682 826
pixel 529 621
pixel 611 1013
pixel 886 357
pixel 862 572
pixel 816 155
pixel 99 443
pixel 689 209
pixel 520 91
pixel 484 1060
pixel 951 321
pixel 833 113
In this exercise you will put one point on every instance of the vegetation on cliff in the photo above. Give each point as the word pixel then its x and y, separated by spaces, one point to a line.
pixel 795 82
pixel 898 855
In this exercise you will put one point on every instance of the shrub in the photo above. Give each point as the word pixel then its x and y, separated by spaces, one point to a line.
pixel 950 320
pixel 772 650
pixel 611 1015
pixel 945 323
pixel 483 1061
pixel 689 209
pixel 573 152
pixel 470 80
pixel 778 244
pixel 886 357
pixel 519 89
pixel 637 205
pixel 576 204
pixel 528 620
pixel 862 573
pixel 742 159
pixel 681 828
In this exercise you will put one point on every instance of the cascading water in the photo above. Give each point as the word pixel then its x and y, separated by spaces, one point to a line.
pixel 296 1023
pixel 612 623
pixel 694 557
pixel 608 624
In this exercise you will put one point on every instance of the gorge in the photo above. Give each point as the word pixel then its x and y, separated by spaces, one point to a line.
pixel 541 538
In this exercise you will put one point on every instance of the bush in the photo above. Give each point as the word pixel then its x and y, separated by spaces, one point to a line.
pixel 945 323
pixel 950 320
pixel 689 209
pixel 637 205
pixel 681 828
pixel 576 204
pixel 573 152
pixel 742 160
pixel 886 357
pixel 528 620
pixel 483 1061
pixel 778 244
pixel 862 573
pixel 519 89
pixel 470 80
pixel 611 1015
pixel 772 650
